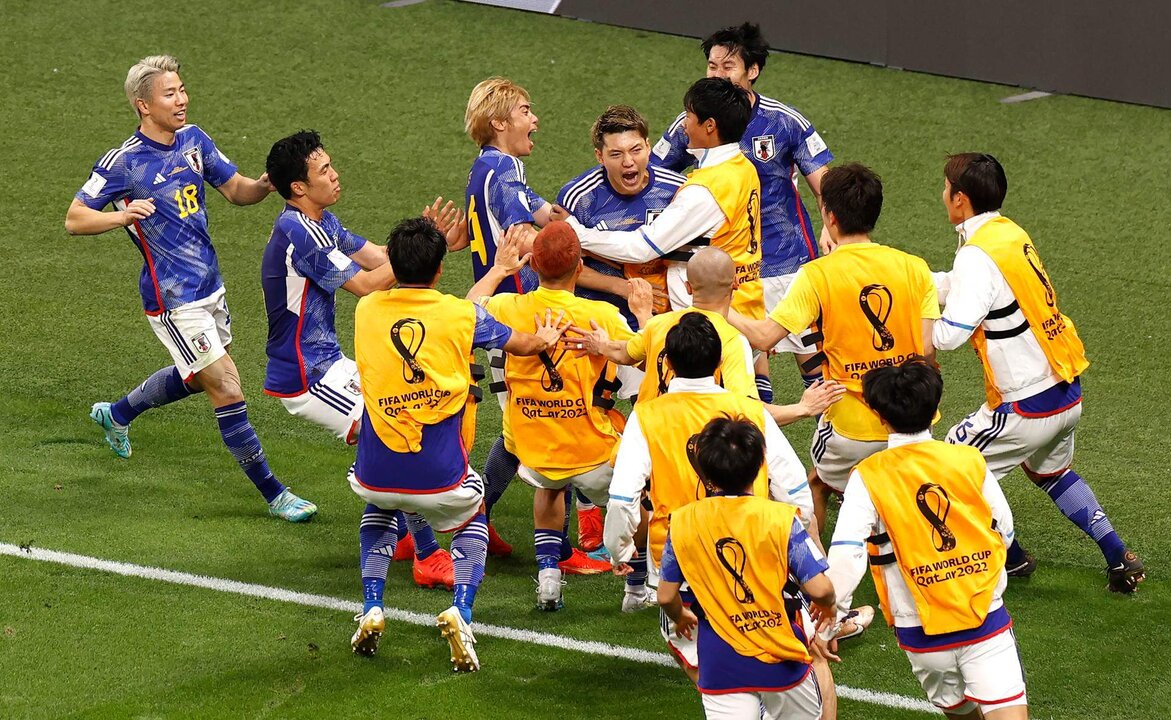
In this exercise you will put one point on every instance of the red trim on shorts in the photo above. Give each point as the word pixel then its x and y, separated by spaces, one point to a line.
pixel 1016 409
pixel 730 691
pixel 352 435
pixel 407 491
pixel 675 651
pixel 996 702
pixel 953 646
pixel 1043 476
pixel 276 394
pixel 960 704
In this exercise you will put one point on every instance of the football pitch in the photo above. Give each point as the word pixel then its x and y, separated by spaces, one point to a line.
pixel 255 619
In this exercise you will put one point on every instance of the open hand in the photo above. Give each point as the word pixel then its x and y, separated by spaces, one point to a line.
pixel 551 329
pixel 820 395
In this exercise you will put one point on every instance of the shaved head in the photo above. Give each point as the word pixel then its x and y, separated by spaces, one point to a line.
pixel 711 274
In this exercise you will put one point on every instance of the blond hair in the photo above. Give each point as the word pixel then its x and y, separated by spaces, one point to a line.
pixel 493 99
pixel 141 78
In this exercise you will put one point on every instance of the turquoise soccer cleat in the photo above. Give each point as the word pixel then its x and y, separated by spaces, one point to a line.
pixel 288 506
pixel 117 436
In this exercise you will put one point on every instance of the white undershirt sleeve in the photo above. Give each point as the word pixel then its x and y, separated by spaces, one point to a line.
pixel 787 480
pixel 631 470
pixel 973 288
pixel 857 521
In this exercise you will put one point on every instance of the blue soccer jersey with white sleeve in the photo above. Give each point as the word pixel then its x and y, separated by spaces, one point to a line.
pixel 304 264
pixel 778 139
pixel 498 197
pixel 179 262
pixel 594 202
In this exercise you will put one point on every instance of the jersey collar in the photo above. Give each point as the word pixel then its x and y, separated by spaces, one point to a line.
pixel 694 385
pixel 156 145
pixel 968 228
pixel 897 439
pixel 714 156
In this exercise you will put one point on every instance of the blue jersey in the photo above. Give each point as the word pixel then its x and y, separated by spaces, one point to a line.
pixel 596 204
pixel 498 197
pixel 304 264
pixel 778 139
pixel 179 263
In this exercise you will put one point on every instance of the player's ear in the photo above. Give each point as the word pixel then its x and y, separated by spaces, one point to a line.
pixel 687 285
pixel 598 155
pixel 753 72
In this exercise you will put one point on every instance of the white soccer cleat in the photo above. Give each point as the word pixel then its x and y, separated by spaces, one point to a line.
pixel 369 632
pixel 549 584
pixel 459 636
pixel 641 598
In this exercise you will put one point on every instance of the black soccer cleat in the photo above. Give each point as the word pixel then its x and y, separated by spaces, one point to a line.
pixel 1126 575
pixel 1024 568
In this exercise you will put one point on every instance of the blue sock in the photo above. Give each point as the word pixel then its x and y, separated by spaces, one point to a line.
pixel 377 536
pixel 469 552
pixel 764 387
pixel 638 576
pixel 241 440
pixel 498 472
pixel 1076 501
pixel 165 386
pixel 1016 554
pixel 424 536
pixel 547 544
pixel 808 380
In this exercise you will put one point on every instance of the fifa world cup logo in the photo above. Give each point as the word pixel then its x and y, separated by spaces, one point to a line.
pixel 406 336
pixel 664 371
pixel 753 222
pixel 551 380
pixel 876 303
pixel 731 555
pixel 1034 261
pixel 702 489
pixel 934 504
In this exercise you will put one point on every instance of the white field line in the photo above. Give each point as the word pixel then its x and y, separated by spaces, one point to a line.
pixel 532 637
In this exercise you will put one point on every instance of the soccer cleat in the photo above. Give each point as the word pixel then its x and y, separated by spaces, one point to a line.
pixel 635 600
pixel 117 436
pixel 855 622
pixel 549 584
pixel 1126 575
pixel 581 564
pixel 589 528
pixel 288 506
pixel 1024 568
pixel 369 632
pixel 459 636
pixel 496 545
pixel 435 570
pixel 405 549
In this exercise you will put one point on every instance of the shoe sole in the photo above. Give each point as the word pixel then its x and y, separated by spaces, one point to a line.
pixel 461 659
pixel 550 605
pixel 365 642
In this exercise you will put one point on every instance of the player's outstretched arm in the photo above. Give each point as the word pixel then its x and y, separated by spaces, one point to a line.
pixel 241 190
pixel 814 401
pixel 451 221
pixel 549 332
pixel 761 334
pixel 594 280
pixel 691 214
pixel 596 341
pixel 83 220
pixel 368 281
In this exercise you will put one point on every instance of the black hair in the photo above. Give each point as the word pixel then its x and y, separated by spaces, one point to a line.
pixel 745 40
pixel 723 101
pixel 416 249
pixel 905 396
pixel 979 176
pixel 693 346
pixel 853 193
pixel 288 160
pixel 729 452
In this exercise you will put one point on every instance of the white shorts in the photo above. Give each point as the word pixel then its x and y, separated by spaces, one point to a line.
pixel 631 379
pixel 446 511
pixel 801 702
pixel 594 484
pixel 333 402
pixel 676 285
pixel 496 358
pixel 1044 445
pixel 196 334
pixel 682 648
pixel 987 674
pixel 775 288
pixel 834 455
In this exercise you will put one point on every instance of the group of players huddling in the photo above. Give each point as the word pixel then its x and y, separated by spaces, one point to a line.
pixel 671 291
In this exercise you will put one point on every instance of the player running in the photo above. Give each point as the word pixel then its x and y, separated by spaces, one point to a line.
pixel 935 523
pixel 155 181
pixel 781 143
pixel 413 346
pixel 309 257
pixel 999 295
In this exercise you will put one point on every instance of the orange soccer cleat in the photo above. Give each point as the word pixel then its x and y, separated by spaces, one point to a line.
pixel 405 549
pixel 496 545
pixel 581 564
pixel 589 528
pixel 435 570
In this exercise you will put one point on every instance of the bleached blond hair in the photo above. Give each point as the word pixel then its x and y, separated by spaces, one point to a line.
pixel 141 78
pixel 492 99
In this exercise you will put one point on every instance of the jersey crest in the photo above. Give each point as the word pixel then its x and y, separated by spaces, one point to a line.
pixel 194 159
pixel 764 147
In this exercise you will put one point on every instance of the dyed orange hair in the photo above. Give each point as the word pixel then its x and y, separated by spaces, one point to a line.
pixel 556 251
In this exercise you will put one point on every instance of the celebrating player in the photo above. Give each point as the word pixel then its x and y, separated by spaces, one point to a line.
pixel 780 142
pixel 936 523
pixel 735 550
pixel 309 256
pixel 155 181
pixel 870 305
pixel 1000 296
pixel 413 347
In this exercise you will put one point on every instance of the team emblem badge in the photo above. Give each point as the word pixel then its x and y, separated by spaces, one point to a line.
pixel 763 147
pixel 353 388
pixel 651 215
pixel 194 160
pixel 201 343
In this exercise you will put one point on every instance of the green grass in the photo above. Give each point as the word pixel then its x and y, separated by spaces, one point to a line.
pixel 387 88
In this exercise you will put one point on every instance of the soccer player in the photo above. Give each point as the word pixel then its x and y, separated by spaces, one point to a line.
pixel 735 550
pixel 936 524
pixel 155 181
pixel 999 295
pixel 780 142
pixel 869 304
pixel 556 420
pixel 413 346
pixel 309 257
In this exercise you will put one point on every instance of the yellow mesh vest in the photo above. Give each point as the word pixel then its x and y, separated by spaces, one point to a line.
pixel 1014 254
pixel 413 348
pixel 735 185
pixel 733 374
pixel 734 552
pixel 670 423
pixel 929 496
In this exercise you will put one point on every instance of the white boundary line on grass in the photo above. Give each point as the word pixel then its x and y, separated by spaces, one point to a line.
pixel 532 637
